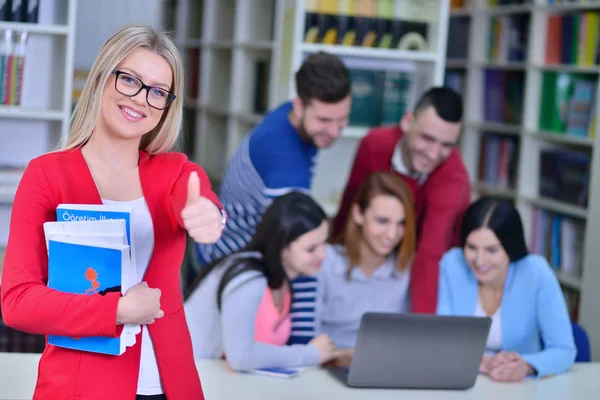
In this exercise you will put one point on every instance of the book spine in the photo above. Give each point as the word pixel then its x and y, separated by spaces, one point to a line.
pixel 18 11
pixel 4 10
pixel 33 7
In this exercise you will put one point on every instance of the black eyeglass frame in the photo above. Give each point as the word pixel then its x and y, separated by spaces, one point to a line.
pixel 170 96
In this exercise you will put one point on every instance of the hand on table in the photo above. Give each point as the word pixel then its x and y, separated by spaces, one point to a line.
pixel 506 367
pixel 343 357
pixel 201 217
pixel 325 347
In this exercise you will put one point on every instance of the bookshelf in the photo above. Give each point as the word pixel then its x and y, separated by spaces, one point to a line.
pixel 414 68
pixel 41 120
pixel 230 45
pixel 227 46
pixel 530 130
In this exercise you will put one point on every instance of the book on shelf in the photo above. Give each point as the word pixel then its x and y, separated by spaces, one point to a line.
pixel 458 38
pixel 91 252
pixel 559 239
pixel 12 62
pixel 573 39
pixel 567 103
pixel 379 97
pixel 367 23
pixel 498 160
pixel 508 38
pixel 455 79
pixel 19 10
pixel 564 176
pixel 503 96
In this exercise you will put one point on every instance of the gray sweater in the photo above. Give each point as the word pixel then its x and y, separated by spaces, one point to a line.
pixel 231 332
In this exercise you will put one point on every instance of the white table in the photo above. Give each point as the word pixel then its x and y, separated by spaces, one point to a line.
pixel 18 373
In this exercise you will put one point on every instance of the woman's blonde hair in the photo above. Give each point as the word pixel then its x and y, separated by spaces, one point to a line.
pixel 87 111
pixel 376 184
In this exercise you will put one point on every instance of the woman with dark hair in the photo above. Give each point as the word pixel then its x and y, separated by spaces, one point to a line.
pixel 494 275
pixel 239 305
pixel 367 268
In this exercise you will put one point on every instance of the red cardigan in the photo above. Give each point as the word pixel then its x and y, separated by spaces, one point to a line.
pixel 29 305
pixel 440 203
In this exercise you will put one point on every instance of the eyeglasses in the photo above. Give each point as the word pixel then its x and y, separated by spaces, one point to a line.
pixel 130 86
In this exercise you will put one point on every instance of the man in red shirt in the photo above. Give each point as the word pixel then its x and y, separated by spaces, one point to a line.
pixel 422 151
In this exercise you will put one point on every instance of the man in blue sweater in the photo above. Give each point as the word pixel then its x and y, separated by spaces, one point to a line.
pixel 277 157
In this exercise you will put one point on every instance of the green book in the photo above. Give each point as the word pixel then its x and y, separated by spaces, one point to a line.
pixel 396 88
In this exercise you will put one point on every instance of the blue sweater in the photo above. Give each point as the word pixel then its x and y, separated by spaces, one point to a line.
pixel 535 321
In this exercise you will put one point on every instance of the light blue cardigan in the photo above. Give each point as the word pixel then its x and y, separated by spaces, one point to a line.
pixel 535 321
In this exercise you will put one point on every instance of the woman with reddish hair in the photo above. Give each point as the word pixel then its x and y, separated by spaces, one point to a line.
pixel 367 267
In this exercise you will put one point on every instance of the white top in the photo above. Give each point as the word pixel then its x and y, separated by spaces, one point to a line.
pixel 143 237
pixel 231 330
pixel 341 302
pixel 400 167
pixel 494 340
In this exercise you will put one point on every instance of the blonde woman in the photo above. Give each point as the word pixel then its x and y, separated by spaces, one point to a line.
pixel 118 151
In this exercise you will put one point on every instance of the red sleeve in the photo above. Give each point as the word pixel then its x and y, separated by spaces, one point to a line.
pixel 438 233
pixel 27 303
pixel 361 168
pixel 179 195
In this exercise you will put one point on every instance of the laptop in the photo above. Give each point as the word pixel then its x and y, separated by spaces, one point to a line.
pixel 416 351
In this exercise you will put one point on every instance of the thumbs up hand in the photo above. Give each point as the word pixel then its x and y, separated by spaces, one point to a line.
pixel 201 217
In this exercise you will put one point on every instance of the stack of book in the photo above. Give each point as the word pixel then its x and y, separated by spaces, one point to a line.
pixel 91 253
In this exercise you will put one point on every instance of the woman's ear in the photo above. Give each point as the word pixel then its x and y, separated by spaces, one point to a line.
pixel 357 215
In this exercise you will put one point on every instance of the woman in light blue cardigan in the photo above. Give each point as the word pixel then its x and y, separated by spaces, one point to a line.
pixel 494 275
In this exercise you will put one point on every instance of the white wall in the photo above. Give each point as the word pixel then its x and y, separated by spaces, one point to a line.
pixel 98 19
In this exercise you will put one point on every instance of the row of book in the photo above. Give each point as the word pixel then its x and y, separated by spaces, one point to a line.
pixel 366 32
pixel 559 239
pixel 503 96
pixel 508 38
pixel 369 23
pixel 498 160
pixel 565 176
pixel 19 10
pixel 573 39
pixel 379 97
pixel 567 103
pixel 12 62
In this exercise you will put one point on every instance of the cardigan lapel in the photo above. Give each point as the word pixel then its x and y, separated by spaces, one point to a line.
pixel 507 310
pixel 87 191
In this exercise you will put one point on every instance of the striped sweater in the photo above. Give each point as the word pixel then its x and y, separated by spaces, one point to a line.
pixel 271 161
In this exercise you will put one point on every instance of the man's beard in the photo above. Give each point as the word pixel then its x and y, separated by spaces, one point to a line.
pixel 304 133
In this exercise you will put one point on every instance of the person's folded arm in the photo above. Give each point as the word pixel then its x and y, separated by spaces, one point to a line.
pixel 239 308
pixel 444 206
pixel 28 304
pixel 559 351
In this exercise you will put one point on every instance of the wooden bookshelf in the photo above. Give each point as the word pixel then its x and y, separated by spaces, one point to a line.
pixel 537 129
